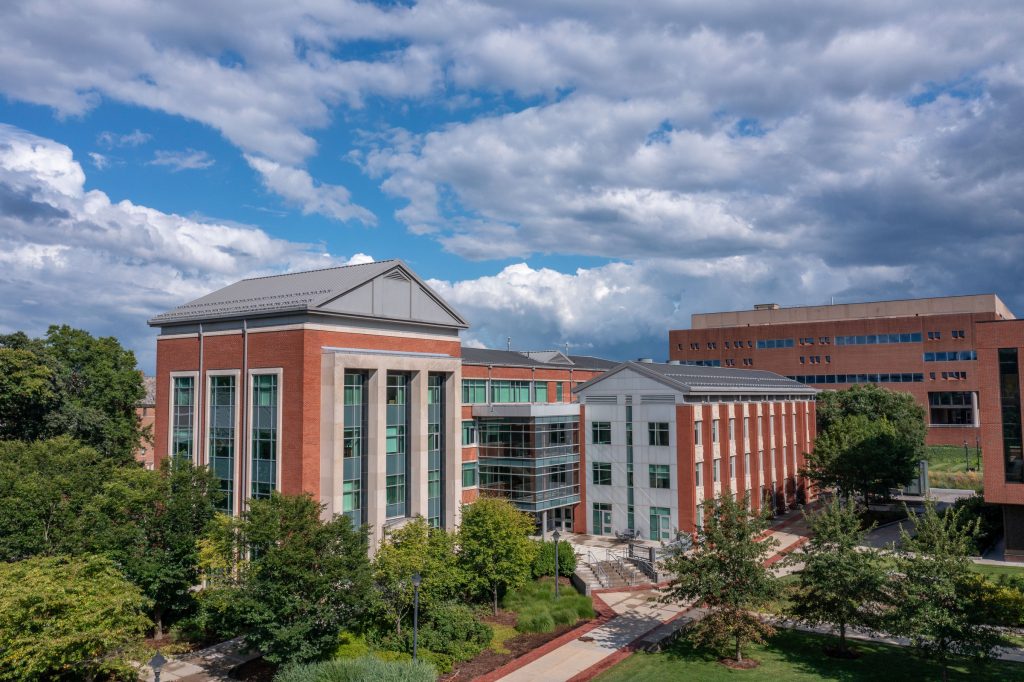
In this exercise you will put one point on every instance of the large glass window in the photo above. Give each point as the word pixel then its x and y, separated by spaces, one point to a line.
pixel 354 447
pixel 602 473
pixel 872 339
pixel 698 436
pixel 222 436
pixel 1009 403
pixel 657 433
pixel 659 476
pixel 601 433
pixel 264 434
pixel 474 391
pixel 469 474
pixel 435 449
pixel 661 521
pixel 540 391
pixel 558 391
pixel 503 391
pixel 951 408
pixel 951 356
pixel 469 432
pixel 396 444
pixel 602 518
pixel 698 473
pixel 183 396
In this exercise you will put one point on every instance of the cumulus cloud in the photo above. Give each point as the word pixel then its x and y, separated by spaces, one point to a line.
pixel 298 187
pixel 101 161
pixel 188 159
pixel 135 138
pixel 72 255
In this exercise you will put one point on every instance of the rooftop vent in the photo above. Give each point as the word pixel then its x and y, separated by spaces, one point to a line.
pixel 674 362
pixel 766 306
pixel 646 360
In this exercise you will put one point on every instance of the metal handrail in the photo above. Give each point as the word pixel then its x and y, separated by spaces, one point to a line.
pixel 620 562
pixel 595 566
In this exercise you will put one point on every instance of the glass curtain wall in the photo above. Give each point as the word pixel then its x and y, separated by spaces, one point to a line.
pixel 435 450
pixel 264 434
pixel 183 418
pixel 354 448
pixel 397 447
pixel 1009 403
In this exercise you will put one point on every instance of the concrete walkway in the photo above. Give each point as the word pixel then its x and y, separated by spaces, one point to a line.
pixel 640 619
pixel 206 665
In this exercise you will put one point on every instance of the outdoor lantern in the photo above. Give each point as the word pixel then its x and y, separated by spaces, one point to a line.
pixel 156 663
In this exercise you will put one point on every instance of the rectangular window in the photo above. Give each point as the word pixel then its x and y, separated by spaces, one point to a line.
pixel 601 433
pixel 1009 404
pixel 714 430
pixel 746 463
pixel 732 466
pixel 474 391
pixel 951 408
pixel 469 432
pixel 558 391
pixel 732 428
pixel 659 476
pixel 396 445
pixel 746 428
pixel 222 436
pixel 435 449
pixel 661 520
pixel 698 437
pixel 602 473
pixel 716 469
pixel 657 434
pixel 505 391
pixel 700 516
pixel 602 518
pixel 469 474
pixel 354 447
pixel 264 434
pixel 540 391
pixel 698 473
pixel 183 397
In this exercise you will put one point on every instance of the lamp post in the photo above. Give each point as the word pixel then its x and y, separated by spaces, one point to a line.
pixel 156 663
pixel 556 535
pixel 967 457
pixel 415 613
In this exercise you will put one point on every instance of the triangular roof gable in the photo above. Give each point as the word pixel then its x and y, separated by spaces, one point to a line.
pixel 396 293
pixel 640 369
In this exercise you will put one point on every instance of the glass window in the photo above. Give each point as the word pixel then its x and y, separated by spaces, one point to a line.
pixel 558 391
pixel 183 417
pixel 732 428
pixel 698 437
pixel 657 434
pixel 602 518
pixel 746 463
pixel 540 391
pixel 716 469
pixel 602 472
pixel 354 447
pixel 659 476
pixel 396 444
pixel 469 474
pixel 264 435
pixel 698 473
pixel 732 466
pixel 468 432
pixel 661 520
pixel 1009 407
pixel 601 433
pixel 700 516
pixel 474 391
pixel 222 436
pixel 746 427
pixel 505 391
pixel 714 430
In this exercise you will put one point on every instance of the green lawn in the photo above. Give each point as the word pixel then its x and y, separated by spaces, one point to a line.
pixel 994 572
pixel 947 467
pixel 798 657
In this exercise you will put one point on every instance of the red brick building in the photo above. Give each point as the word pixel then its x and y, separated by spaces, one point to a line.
pixel 925 347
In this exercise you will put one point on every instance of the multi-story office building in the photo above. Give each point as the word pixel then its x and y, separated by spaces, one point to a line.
pixel 925 347
pixel 659 439
pixel 348 384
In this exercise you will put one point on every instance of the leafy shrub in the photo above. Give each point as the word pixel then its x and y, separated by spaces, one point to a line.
pixel 535 620
pixel 998 603
pixel 351 645
pixel 359 670
pixel 443 663
pixel 564 614
pixel 391 655
pixel 990 517
pixel 217 616
pixel 454 630
pixel 544 564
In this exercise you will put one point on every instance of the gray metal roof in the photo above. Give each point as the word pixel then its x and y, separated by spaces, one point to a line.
pixel 337 291
pixel 512 358
pixel 695 379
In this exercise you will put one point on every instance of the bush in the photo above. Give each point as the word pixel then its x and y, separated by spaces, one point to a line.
pixel 535 620
pixel 454 630
pixel 544 564
pixel 217 616
pixel 998 603
pixel 990 517
pixel 351 645
pixel 359 670
pixel 540 612
pixel 443 663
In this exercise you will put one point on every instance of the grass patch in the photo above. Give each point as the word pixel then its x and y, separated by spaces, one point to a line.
pixel 794 656
pixel 947 467
pixel 538 610
pixel 991 571
pixel 502 633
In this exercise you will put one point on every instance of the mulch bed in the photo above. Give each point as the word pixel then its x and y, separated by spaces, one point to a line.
pixel 745 664
pixel 488 660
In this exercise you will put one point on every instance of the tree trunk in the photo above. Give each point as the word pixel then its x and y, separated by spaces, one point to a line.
pixel 495 592
pixel 398 625
pixel 739 652
pixel 158 624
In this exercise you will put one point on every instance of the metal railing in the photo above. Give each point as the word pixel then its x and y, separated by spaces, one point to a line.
pixel 595 566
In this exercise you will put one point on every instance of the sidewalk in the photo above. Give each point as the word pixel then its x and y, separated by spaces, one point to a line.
pixel 640 620
pixel 206 665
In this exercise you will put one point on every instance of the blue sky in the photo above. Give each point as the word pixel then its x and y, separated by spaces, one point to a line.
pixel 589 173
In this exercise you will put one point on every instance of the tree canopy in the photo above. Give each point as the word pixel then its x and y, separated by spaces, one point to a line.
pixel 726 573
pixel 70 383
pixel 494 546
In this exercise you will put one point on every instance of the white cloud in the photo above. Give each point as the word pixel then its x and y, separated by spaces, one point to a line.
pixel 188 159
pixel 298 187
pixel 135 138
pixel 72 255
pixel 99 160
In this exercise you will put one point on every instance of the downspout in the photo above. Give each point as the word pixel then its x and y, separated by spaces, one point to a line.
pixel 243 492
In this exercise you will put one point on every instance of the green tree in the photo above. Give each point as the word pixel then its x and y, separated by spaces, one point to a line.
pixel 861 455
pixel 839 583
pixel 936 602
pixel 71 383
pixel 726 573
pixel 415 548
pixel 150 523
pixel 67 618
pixel 44 487
pixel 306 580
pixel 495 549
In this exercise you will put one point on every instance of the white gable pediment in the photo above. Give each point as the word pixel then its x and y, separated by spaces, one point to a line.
pixel 397 295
